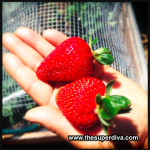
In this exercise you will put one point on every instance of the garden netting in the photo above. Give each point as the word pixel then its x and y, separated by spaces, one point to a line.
pixel 108 21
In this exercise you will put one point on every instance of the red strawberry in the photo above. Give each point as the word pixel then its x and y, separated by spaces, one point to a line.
pixel 71 60
pixel 81 104
pixel 76 100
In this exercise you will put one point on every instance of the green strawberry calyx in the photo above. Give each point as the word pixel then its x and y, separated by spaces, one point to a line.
pixel 110 105
pixel 102 55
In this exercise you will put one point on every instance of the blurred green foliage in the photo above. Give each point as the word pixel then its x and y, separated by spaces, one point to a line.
pixel 85 14
pixel 7 110
pixel 14 106
pixel 83 11
pixel 110 19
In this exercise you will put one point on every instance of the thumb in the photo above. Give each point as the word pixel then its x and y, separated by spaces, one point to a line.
pixel 52 119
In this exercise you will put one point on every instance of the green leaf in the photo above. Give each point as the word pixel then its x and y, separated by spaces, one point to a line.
pixel 109 88
pixel 123 111
pixel 105 58
pixel 101 51
pixel 98 99
pixel 109 109
pixel 121 101
pixel 102 119
pixel 94 41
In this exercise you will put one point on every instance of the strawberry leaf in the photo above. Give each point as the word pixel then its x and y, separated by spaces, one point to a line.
pixel 102 50
pixel 98 99
pixel 94 41
pixel 103 121
pixel 121 101
pixel 109 109
pixel 109 88
pixel 124 111
pixel 105 58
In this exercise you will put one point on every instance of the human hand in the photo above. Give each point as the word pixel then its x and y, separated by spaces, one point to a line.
pixel 28 49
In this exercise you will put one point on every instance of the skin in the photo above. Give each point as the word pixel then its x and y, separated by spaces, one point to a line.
pixel 28 49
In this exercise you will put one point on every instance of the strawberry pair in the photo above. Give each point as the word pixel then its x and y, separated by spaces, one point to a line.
pixel 81 101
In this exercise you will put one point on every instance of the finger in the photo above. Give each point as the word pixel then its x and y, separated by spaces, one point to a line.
pixel 35 40
pixel 52 119
pixel 54 37
pixel 27 55
pixel 39 91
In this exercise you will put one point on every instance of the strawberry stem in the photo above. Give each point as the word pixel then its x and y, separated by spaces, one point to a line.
pixel 90 43
pixel 102 55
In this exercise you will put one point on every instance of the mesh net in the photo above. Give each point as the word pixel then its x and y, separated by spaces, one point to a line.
pixel 106 21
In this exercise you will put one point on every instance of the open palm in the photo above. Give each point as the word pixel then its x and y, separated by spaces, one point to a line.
pixel 28 49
